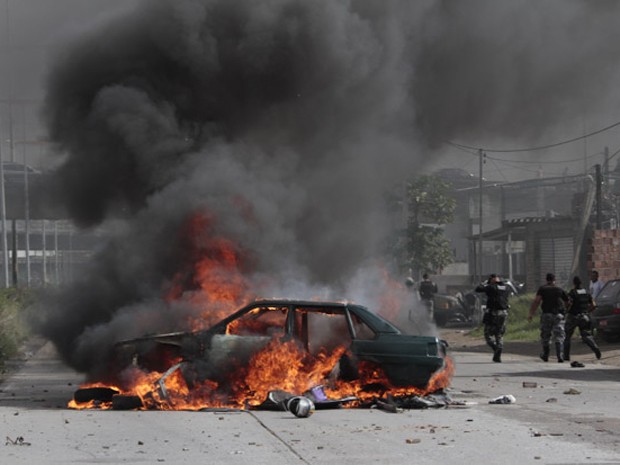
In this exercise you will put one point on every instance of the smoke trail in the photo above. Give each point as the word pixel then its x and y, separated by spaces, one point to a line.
pixel 284 121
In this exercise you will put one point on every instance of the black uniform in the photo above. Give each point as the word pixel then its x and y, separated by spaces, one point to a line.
pixel 495 317
pixel 427 290
pixel 553 302
pixel 581 303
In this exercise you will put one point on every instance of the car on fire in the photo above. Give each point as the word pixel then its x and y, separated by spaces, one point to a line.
pixel 406 360
pixel 606 315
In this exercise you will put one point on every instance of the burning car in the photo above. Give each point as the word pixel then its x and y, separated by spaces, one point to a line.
pixel 255 349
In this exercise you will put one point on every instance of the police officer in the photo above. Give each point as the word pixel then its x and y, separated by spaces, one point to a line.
pixel 581 304
pixel 427 290
pixel 552 300
pixel 410 283
pixel 495 317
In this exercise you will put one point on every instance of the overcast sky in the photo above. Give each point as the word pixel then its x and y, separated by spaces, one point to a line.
pixel 38 28
pixel 36 31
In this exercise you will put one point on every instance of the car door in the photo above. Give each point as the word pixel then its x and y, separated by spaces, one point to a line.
pixel 247 334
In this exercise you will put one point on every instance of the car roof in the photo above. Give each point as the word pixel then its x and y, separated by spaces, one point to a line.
pixel 377 322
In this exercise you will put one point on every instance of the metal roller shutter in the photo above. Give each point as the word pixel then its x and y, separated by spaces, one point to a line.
pixel 556 256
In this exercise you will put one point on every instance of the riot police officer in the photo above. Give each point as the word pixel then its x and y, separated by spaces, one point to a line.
pixel 427 290
pixel 552 300
pixel 579 307
pixel 496 313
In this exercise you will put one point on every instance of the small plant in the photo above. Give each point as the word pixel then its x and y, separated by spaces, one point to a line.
pixel 13 330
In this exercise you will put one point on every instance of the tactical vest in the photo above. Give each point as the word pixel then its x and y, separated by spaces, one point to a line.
pixel 581 301
pixel 497 298
pixel 427 289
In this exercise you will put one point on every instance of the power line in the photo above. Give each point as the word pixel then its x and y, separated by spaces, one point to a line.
pixel 538 162
pixel 540 147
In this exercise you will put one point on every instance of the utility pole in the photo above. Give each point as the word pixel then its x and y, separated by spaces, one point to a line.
pixel 5 247
pixel 481 155
pixel 599 196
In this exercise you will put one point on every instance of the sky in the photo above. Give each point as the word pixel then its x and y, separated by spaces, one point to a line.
pixel 571 43
pixel 275 128
pixel 36 30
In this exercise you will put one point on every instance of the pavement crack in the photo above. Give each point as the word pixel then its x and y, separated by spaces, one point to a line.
pixel 275 435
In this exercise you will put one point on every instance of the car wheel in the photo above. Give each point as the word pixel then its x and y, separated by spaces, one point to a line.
pixel 126 402
pixel 100 394
pixel 348 369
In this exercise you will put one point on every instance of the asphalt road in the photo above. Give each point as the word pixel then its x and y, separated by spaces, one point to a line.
pixel 546 425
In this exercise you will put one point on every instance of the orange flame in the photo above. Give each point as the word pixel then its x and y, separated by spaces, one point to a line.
pixel 213 280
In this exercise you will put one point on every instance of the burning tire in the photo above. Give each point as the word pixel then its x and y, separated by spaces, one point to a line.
pixel 100 394
pixel 123 402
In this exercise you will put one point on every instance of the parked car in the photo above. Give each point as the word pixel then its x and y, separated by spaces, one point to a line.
pixel 606 315
pixel 406 360
pixel 462 308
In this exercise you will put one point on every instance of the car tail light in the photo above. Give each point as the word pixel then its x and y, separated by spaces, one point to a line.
pixel 616 311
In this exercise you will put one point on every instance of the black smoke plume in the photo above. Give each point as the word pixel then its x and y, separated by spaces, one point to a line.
pixel 284 122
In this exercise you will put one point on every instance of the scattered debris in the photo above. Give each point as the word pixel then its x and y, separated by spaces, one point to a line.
pixel 572 392
pixel 551 400
pixel 413 441
pixel 19 441
pixel 388 406
pixel 277 400
pixel 576 364
pixel 529 384
pixel 507 399
pixel 300 406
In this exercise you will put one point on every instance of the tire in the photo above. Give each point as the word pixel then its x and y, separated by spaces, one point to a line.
pixel 123 402
pixel 348 369
pixel 101 394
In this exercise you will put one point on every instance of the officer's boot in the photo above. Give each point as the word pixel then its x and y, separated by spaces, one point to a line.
pixel 493 346
pixel 567 350
pixel 593 346
pixel 497 356
pixel 558 351
pixel 545 353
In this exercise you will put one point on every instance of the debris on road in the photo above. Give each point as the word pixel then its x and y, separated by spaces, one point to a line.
pixel 18 441
pixel 529 384
pixel 576 364
pixel 388 407
pixel 300 406
pixel 506 399
pixel 572 392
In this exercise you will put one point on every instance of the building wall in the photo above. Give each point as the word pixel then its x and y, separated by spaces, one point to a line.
pixel 604 253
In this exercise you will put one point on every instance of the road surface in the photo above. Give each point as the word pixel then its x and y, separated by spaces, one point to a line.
pixel 546 425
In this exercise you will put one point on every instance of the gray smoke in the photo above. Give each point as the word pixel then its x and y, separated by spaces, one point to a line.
pixel 283 122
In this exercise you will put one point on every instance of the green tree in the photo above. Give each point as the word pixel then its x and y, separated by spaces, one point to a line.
pixel 430 206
